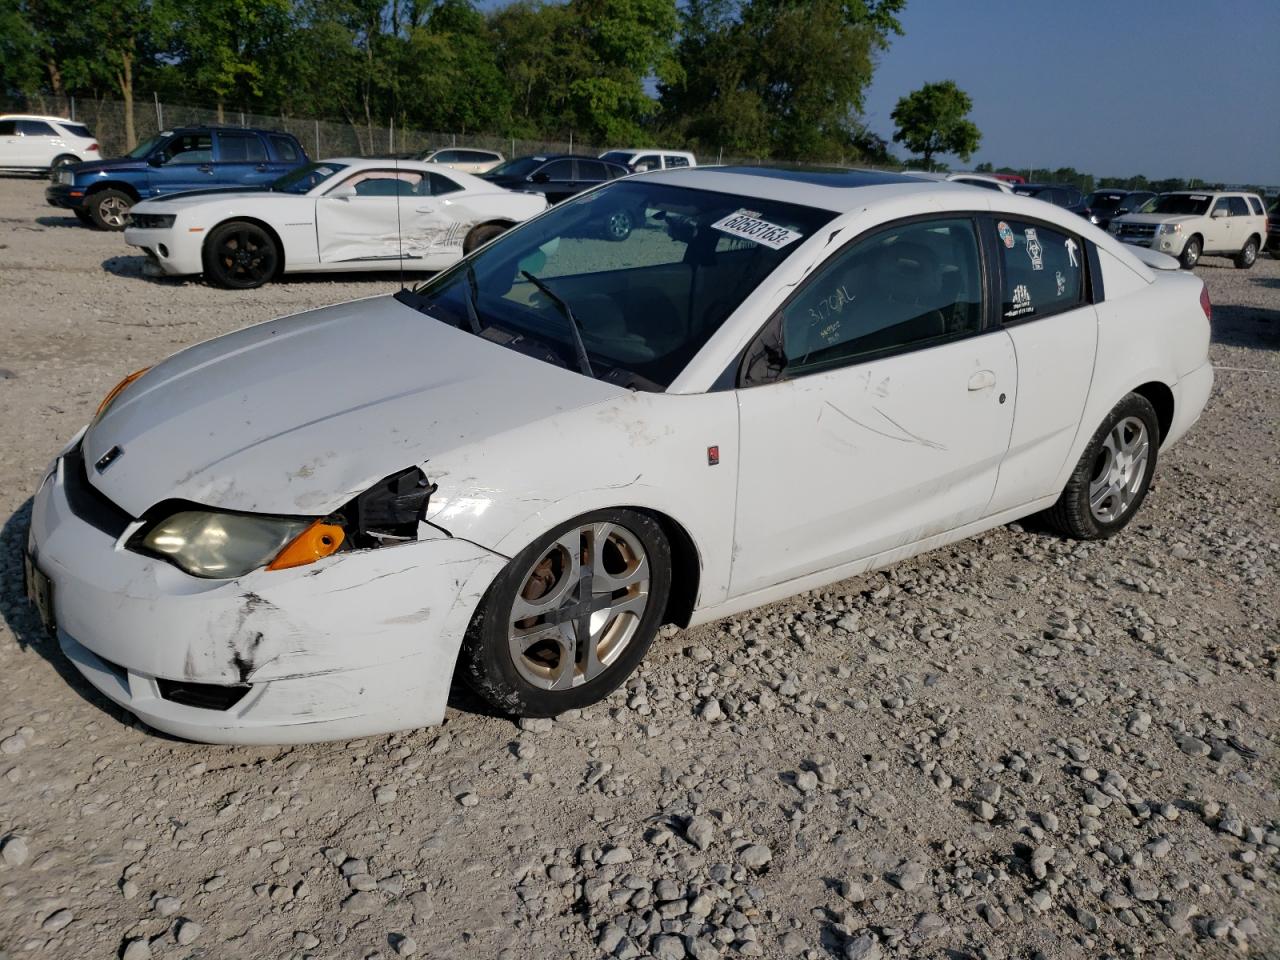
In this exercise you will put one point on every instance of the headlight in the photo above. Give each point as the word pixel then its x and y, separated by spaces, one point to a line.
pixel 66 177
pixel 1169 228
pixel 226 545
pixel 152 221
pixel 114 393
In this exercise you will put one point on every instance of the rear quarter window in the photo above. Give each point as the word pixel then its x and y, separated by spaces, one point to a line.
pixel 285 149
pixel 1043 270
pixel 1256 205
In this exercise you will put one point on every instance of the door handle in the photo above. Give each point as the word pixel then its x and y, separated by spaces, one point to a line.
pixel 424 209
pixel 205 168
pixel 981 380
pixel 261 168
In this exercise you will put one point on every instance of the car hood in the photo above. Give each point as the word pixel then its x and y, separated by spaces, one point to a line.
pixel 1156 218
pixel 118 165
pixel 190 198
pixel 298 415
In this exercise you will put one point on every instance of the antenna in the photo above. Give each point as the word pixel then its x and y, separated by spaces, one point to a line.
pixel 395 158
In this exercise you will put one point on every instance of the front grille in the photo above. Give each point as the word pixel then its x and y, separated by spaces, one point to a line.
pixel 1137 231
pixel 206 696
pixel 88 502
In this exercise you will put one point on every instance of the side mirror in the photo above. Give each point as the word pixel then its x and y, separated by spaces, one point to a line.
pixel 540 177
pixel 1218 212
pixel 344 192
pixel 156 160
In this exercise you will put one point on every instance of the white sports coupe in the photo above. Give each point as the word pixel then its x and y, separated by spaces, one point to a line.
pixel 343 214
pixel 522 468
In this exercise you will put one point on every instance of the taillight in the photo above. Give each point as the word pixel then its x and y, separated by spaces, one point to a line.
pixel 93 146
pixel 1205 305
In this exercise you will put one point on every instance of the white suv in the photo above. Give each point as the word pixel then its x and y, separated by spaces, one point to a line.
pixel 1187 225
pixel 40 144
pixel 638 161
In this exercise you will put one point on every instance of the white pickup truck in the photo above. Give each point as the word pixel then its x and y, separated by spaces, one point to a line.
pixel 1188 225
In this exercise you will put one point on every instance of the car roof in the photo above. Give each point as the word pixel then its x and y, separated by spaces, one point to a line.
pixel 224 128
pixel 38 116
pixel 828 188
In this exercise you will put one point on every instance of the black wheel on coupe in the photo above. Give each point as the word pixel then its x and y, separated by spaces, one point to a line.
pixel 240 256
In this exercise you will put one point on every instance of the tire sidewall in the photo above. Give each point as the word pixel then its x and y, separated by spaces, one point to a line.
pixel 480 236
pixel 1198 246
pixel 490 668
pixel 625 224
pixel 1132 405
pixel 1245 261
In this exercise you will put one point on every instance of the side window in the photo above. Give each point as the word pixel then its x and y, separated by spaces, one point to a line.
pixel 673 161
pixel 441 184
pixel 1237 206
pixel 385 183
pixel 445 156
pixel 35 128
pixel 1222 205
pixel 1257 207
pixel 189 148
pixel 904 288
pixel 8 128
pixel 558 170
pixel 1043 270
pixel 476 156
pixel 650 161
pixel 241 148
pixel 285 149
pixel 593 170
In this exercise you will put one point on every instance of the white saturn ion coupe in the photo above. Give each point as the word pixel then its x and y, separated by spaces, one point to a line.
pixel 522 468
pixel 341 214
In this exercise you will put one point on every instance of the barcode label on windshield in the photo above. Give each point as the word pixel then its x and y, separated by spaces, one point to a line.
pixel 743 224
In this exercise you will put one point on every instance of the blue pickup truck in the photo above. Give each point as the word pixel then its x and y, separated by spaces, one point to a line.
pixel 101 192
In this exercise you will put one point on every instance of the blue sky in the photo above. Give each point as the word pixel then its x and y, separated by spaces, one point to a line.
pixel 1167 89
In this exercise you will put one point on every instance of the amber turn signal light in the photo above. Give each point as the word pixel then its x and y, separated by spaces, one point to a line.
pixel 118 389
pixel 314 543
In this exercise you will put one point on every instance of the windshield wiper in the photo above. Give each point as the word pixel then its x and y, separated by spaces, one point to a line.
pixel 472 294
pixel 584 362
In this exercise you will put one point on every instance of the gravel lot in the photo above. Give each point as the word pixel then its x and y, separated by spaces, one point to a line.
pixel 1015 747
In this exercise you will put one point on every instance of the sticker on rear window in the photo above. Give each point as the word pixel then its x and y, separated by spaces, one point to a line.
pixel 1199 196
pixel 743 224
pixel 1005 234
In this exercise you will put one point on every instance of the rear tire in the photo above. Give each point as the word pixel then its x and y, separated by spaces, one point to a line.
pixel 1113 475
pixel 108 209
pixel 240 256
pixel 63 160
pixel 1248 256
pixel 482 235
pixel 571 616
pixel 619 225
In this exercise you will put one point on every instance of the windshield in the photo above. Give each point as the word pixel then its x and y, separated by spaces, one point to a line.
pixel 306 178
pixel 144 148
pixel 648 271
pixel 1104 201
pixel 1184 203
pixel 520 167
pixel 617 156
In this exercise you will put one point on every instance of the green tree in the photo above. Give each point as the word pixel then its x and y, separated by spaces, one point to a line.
pixel 935 119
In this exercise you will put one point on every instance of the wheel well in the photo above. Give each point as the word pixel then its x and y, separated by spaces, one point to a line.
pixel 1161 397
pixel 113 185
pixel 686 571
pixel 1256 239
pixel 262 224
pixel 505 224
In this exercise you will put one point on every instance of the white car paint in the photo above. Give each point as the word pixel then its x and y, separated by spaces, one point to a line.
pixel 983 181
pixel 642 160
pixel 467 159
pixel 33 142
pixel 818 477
pixel 330 228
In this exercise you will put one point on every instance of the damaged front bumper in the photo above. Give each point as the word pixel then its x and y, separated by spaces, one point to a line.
pixel 359 643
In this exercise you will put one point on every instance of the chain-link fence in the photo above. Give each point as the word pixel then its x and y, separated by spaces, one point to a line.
pixel 321 138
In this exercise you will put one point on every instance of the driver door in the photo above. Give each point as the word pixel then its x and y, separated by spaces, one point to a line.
pixel 890 418
pixel 186 163
pixel 370 216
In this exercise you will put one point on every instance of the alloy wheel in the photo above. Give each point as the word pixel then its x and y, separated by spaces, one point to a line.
pixel 1119 470
pixel 112 210
pixel 579 606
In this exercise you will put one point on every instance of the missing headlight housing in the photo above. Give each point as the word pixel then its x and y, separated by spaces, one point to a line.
pixel 389 511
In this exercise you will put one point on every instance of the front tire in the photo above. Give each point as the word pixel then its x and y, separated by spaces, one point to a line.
pixel 240 256
pixel 1191 253
pixel 1248 256
pixel 571 616
pixel 1113 475
pixel 619 225
pixel 109 208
